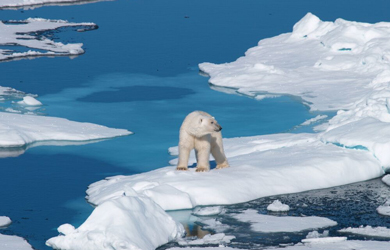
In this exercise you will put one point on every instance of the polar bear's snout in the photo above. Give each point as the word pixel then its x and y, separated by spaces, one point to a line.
pixel 219 128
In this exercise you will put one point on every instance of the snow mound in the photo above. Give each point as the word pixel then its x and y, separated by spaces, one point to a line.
pixel 135 223
pixel 386 179
pixel 5 221
pixel 273 224
pixel 260 166
pixel 21 33
pixel 18 130
pixel 368 231
pixel 278 206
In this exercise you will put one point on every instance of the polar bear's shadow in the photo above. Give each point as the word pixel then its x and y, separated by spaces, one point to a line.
pixel 213 165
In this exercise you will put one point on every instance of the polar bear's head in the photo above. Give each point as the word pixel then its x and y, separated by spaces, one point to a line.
pixel 206 125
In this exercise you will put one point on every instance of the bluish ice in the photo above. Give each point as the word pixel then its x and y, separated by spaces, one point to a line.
pixel 140 73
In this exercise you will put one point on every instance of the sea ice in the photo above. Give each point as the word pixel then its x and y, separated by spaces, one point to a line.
pixel 8 242
pixel 382 232
pixel 17 130
pixel 30 4
pixel 278 206
pixel 128 222
pixel 384 209
pixel 30 101
pixel 313 120
pixel 273 224
pixel 386 179
pixel 215 239
pixel 207 211
pixel 5 221
pixel 21 33
pixel 260 166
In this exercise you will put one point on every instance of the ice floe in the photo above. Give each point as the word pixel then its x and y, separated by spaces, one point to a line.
pixel 382 232
pixel 278 206
pixel 17 130
pixel 126 223
pixel 30 101
pixel 314 120
pixel 384 209
pixel 31 4
pixel 8 242
pixel 5 221
pixel 28 33
pixel 273 224
pixel 260 166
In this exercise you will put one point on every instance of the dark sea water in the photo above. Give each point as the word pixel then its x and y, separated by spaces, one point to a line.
pixel 140 73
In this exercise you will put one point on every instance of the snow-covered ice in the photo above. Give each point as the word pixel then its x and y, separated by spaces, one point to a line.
pixel 324 240
pixel 260 166
pixel 215 239
pixel 5 221
pixel 20 33
pixel 17 130
pixel 8 242
pixel 207 211
pixel 273 224
pixel 278 206
pixel 382 232
pixel 213 224
pixel 130 222
pixel 30 4
pixel 386 179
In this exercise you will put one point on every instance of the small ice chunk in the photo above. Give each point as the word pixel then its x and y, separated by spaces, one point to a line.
pixel 30 101
pixel 278 206
pixel 316 234
pixel 313 120
pixel 215 239
pixel 214 225
pixel 384 209
pixel 207 211
pixel 5 221
pixel 324 240
pixel 66 229
pixel 386 179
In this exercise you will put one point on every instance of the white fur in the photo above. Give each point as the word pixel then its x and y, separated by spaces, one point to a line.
pixel 200 131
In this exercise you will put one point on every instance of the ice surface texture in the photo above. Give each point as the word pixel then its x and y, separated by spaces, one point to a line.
pixel 15 4
pixel 21 33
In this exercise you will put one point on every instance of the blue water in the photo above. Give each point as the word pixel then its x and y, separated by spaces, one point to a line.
pixel 140 72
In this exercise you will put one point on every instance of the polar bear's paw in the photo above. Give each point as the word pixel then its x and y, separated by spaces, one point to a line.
pixel 223 165
pixel 182 168
pixel 202 169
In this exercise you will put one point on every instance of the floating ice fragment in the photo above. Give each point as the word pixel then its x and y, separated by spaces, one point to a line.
pixel 278 206
pixel 31 101
pixel 207 211
pixel 382 232
pixel 5 221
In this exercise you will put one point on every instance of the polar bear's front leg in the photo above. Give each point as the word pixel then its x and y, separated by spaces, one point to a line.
pixel 202 150
pixel 184 154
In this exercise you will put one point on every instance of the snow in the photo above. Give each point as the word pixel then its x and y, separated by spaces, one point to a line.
pixel 123 223
pixel 213 224
pixel 30 101
pixel 368 231
pixel 215 239
pixel 14 4
pixel 8 242
pixel 17 130
pixel 274 224
pixel 324 240
pixel 20 33
pixel 260 166
pixel 5 221
pixel 278 206
pixel 207 211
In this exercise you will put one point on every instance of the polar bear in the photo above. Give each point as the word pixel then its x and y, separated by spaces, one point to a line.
pixel 200 131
